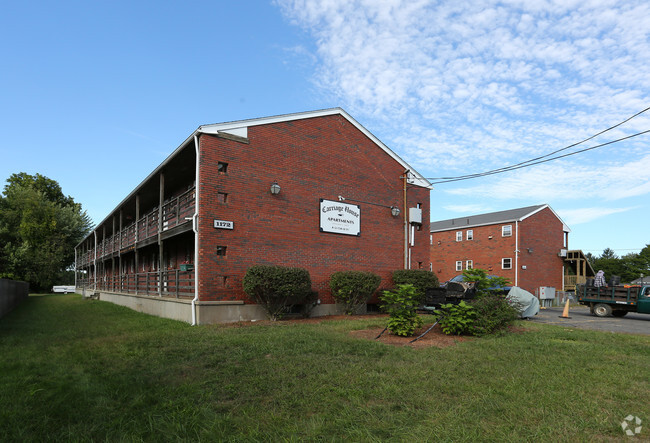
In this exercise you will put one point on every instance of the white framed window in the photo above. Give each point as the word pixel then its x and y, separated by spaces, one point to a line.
pixel 431 239
pixel 506 263
pixel 469 264
pixel 469 235
pixel 459 265
pixel 506 231
pixel 459 235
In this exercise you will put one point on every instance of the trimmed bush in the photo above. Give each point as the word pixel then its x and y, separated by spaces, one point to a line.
pixel 401 305
pixel 277 288
pixel 494 314
pixel 353 288
pixel 420 279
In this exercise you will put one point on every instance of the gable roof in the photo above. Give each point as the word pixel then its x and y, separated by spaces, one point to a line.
pixel 240 129
pixel 492 218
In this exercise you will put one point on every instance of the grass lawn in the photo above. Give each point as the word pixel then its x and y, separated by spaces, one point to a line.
pixel 73 369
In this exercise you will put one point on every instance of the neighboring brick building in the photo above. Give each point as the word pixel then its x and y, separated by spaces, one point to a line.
pixel 526 245
pixel 157 254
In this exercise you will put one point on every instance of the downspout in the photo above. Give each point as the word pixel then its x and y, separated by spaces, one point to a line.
pixel 516 252
pixel 195 228
pixel 406 225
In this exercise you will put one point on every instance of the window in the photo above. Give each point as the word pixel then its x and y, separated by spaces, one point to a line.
pixel 222 168
pixel 469 264
pixel 506 263
pixel 459 265
pixel 506 231
pixel 459 236
pixel 431 239
pixel 469 235
pixel 222 197
pixel 221 251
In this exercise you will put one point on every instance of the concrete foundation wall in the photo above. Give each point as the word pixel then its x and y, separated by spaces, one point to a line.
pixel 174 309
pixel 207 312
pixel 12 293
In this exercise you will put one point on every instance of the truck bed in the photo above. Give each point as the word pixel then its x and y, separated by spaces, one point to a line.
pixel 611 294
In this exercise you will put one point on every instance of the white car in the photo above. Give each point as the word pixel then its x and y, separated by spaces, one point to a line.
pixel 63 289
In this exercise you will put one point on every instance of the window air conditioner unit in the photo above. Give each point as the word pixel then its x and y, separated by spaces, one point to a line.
pixel 562 253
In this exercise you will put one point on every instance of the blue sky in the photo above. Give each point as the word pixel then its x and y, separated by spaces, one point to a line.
pixel 96 94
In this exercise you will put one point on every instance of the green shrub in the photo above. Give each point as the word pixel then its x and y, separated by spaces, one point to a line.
pixel 353 288
pixel 420 279
pixel 401 305
pixel 456 319
pixel 485 285
pixel 494 313
pixel 277 288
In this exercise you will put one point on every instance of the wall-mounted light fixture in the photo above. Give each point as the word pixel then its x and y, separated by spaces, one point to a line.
pixel 394 210
pixel 530 250
pixel 275 188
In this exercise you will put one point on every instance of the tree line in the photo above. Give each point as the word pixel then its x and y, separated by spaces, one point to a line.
pixel 39 229
pixel 629 267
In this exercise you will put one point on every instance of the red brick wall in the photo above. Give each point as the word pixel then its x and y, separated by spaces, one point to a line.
pixel 310 159
pixel 542 232
pixel 485 252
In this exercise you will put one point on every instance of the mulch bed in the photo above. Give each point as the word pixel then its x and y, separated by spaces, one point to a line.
pixel 435 337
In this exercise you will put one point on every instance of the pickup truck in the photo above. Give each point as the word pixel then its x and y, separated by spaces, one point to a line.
pixel 616 300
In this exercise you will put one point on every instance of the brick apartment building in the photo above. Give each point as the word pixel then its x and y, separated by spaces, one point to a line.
pixel 528 246
pixel 313 190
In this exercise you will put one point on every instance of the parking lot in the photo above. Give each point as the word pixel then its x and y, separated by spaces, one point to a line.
pixel 632 323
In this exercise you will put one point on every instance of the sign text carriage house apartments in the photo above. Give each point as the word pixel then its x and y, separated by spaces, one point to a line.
pixel 314 190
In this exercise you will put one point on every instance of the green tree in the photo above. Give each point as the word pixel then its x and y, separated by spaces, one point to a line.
pixel 485 284
pixel 628 267
pixel 39 228
pixel 644 261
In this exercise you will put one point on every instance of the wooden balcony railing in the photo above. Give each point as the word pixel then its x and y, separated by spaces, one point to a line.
pixel 571 281
pixel 176 212
pixel 175 283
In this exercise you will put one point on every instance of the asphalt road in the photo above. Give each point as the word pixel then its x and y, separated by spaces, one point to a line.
pixel 632 323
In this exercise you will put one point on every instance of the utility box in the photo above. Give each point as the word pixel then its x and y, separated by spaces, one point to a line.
pixel 415 216
pixel 546 296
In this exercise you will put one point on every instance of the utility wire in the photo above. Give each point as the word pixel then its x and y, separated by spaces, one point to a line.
pixel 535 160
pixel 527 164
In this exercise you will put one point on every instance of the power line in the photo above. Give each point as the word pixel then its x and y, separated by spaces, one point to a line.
pixel 514 167
pixel 538 160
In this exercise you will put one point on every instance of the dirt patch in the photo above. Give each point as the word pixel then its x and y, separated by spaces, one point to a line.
pixel 435 337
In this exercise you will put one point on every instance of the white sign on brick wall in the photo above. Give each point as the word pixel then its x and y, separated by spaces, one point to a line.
pixel 340 218
pixel 224 224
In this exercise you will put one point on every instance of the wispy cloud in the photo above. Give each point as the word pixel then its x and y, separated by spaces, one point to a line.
pixel 465 86
pixel 566 182
pixel 583 215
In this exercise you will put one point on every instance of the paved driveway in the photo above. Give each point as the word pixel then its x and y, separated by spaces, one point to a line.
pixel 632 323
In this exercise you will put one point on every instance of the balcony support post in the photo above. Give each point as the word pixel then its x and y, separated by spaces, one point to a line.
pixel 160 227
